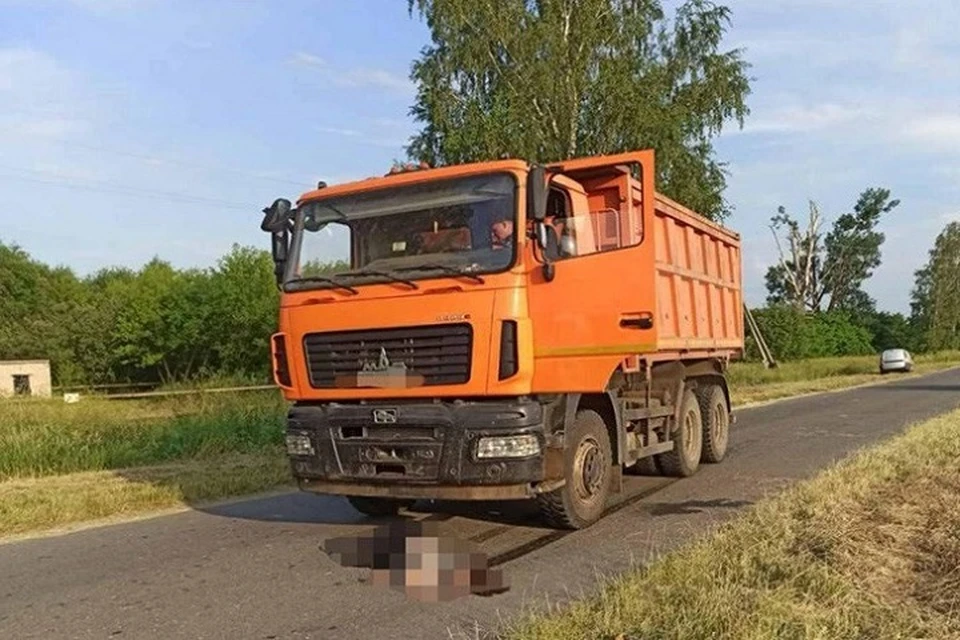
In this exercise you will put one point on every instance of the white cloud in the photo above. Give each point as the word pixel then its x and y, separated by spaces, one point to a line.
pixel 358 77
pixel 51 128
pixel 784 46
pixel 392 123
pixel 947 218
pixel 38 98
pixel 803 119
pixel 110 5
pixel 28 69
pixel 374 78
pixel 350 133
pixel 935 131
pixel 301 57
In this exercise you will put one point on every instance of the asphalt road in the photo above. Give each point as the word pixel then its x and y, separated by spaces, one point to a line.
pixel 256 570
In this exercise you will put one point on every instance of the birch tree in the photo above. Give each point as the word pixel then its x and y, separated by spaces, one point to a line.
pixel 936 295
pixel 546 80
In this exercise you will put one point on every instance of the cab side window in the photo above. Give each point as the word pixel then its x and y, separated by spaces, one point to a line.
pixel 608 217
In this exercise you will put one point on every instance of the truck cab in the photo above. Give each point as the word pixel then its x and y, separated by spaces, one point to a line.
pixel 489 335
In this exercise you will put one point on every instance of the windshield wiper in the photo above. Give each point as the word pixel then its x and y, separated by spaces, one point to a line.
pixel 338 285
pixel 383 274
pixel 445 268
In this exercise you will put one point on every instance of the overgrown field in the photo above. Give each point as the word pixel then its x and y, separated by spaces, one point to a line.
pixel 64 463
pixel 868 549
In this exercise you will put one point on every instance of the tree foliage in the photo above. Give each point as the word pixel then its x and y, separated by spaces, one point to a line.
pixel 816 269
pixel 793 334
pixel 547 80
pixel 154 324
pixel 936 293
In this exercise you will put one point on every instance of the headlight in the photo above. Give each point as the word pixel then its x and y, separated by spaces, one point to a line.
pixel 299 445
pixel 508 447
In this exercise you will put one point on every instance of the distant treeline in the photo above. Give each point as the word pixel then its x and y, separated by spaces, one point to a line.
pixel 155 324
pixel 161 324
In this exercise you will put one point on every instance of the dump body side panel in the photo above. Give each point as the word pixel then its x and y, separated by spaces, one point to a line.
pixel 698 282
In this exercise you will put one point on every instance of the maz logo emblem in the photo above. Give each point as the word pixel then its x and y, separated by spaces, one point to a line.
pixel 384 416
pixel 453 317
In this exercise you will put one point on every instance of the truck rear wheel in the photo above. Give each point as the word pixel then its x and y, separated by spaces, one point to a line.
pixel 684 459
pixel 378 507
pixel 587 473
pixel 716 423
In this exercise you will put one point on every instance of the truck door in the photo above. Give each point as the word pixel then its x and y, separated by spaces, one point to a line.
pixel 600 306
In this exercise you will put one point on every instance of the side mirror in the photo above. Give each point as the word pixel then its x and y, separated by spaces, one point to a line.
pixel 276 221
pixel 546 237
pixel 537 193
pixel 277 216
pixel 280 244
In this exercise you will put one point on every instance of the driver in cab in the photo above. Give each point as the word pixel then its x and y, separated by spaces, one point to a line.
pixel 501 232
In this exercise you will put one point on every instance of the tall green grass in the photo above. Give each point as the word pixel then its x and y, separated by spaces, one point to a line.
pixel 49 437
pixel 748 374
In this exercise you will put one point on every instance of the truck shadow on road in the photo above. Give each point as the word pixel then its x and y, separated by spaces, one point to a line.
pixel 294 507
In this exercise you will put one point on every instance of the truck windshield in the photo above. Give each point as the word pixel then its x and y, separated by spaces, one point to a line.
pixel 464 225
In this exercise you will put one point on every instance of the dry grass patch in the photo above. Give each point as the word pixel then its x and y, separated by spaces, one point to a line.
pixel 29 504
pixel 868 549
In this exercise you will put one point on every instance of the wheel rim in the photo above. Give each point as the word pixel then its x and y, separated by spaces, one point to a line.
pixel 588 469
pixel 690 427
pixel 719 432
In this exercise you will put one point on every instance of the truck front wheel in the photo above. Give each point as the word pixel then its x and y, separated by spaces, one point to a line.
pixel 587 466
pixel 378 507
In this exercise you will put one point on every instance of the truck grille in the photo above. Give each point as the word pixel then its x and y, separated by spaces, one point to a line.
pixel 439 353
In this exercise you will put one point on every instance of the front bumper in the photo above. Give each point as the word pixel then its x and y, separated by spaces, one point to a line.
pixel 428 450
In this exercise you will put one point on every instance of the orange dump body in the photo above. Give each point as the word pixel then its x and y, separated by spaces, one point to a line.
pixel 698 282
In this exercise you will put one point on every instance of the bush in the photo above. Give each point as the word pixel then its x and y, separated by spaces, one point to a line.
pixel 795 335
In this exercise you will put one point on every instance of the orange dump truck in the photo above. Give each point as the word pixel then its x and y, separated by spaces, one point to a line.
pixel 502 331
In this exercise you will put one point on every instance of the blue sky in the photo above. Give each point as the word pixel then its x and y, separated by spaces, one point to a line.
pixel 134 128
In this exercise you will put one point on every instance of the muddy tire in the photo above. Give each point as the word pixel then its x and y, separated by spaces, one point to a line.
pixel 684 460
pixel 716 423
pixel 587 470
pixel 378 507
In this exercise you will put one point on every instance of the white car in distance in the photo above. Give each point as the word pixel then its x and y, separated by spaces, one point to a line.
pixel 895 360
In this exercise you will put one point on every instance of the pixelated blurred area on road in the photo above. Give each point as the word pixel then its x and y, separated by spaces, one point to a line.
pixel 412 557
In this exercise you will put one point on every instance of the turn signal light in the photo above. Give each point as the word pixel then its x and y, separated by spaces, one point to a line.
pixel 281 369
pixel 509 356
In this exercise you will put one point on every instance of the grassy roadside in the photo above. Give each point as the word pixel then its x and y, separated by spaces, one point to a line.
pixel 62 464
pixel 36 504
pixel 868 549
pixel 751 382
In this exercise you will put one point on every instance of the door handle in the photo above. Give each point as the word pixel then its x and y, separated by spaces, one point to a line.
pixel 642 320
